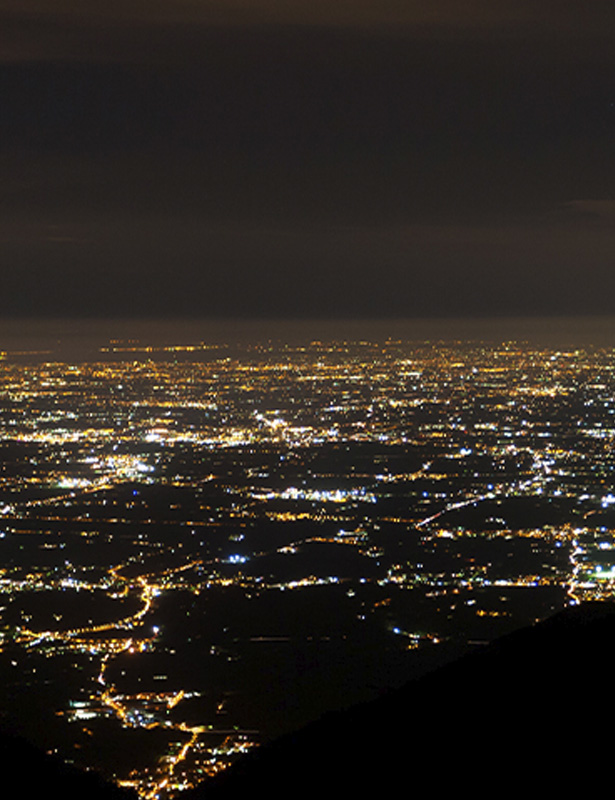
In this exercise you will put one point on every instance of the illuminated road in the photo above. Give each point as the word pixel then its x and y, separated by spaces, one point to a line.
pixel 125 708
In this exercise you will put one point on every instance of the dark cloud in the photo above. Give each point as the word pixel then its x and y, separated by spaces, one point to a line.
pixel 591 210
pixel 159 265
pixel 558 15
pixel 323 158
pixel 168 31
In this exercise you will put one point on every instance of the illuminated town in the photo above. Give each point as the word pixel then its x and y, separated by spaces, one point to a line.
pixel 203 547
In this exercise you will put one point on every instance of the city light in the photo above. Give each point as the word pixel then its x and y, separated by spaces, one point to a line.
pixel 176 532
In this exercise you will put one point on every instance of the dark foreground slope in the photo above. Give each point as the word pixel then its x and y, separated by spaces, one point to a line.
pixel 530 713
pixel 28 774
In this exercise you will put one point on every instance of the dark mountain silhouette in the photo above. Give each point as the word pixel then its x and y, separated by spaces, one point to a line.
pixel 530 713
pixel 28 774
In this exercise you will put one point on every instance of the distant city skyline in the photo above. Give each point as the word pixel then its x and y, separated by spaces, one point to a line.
pixel 81 338
pixel 307 160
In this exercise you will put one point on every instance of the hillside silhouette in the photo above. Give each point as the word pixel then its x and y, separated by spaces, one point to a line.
pixel 28 773
pixel 530 713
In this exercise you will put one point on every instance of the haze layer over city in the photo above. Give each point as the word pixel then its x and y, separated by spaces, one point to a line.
pixel 210 541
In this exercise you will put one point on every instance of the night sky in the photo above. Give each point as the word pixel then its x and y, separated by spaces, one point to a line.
pixel 286 158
